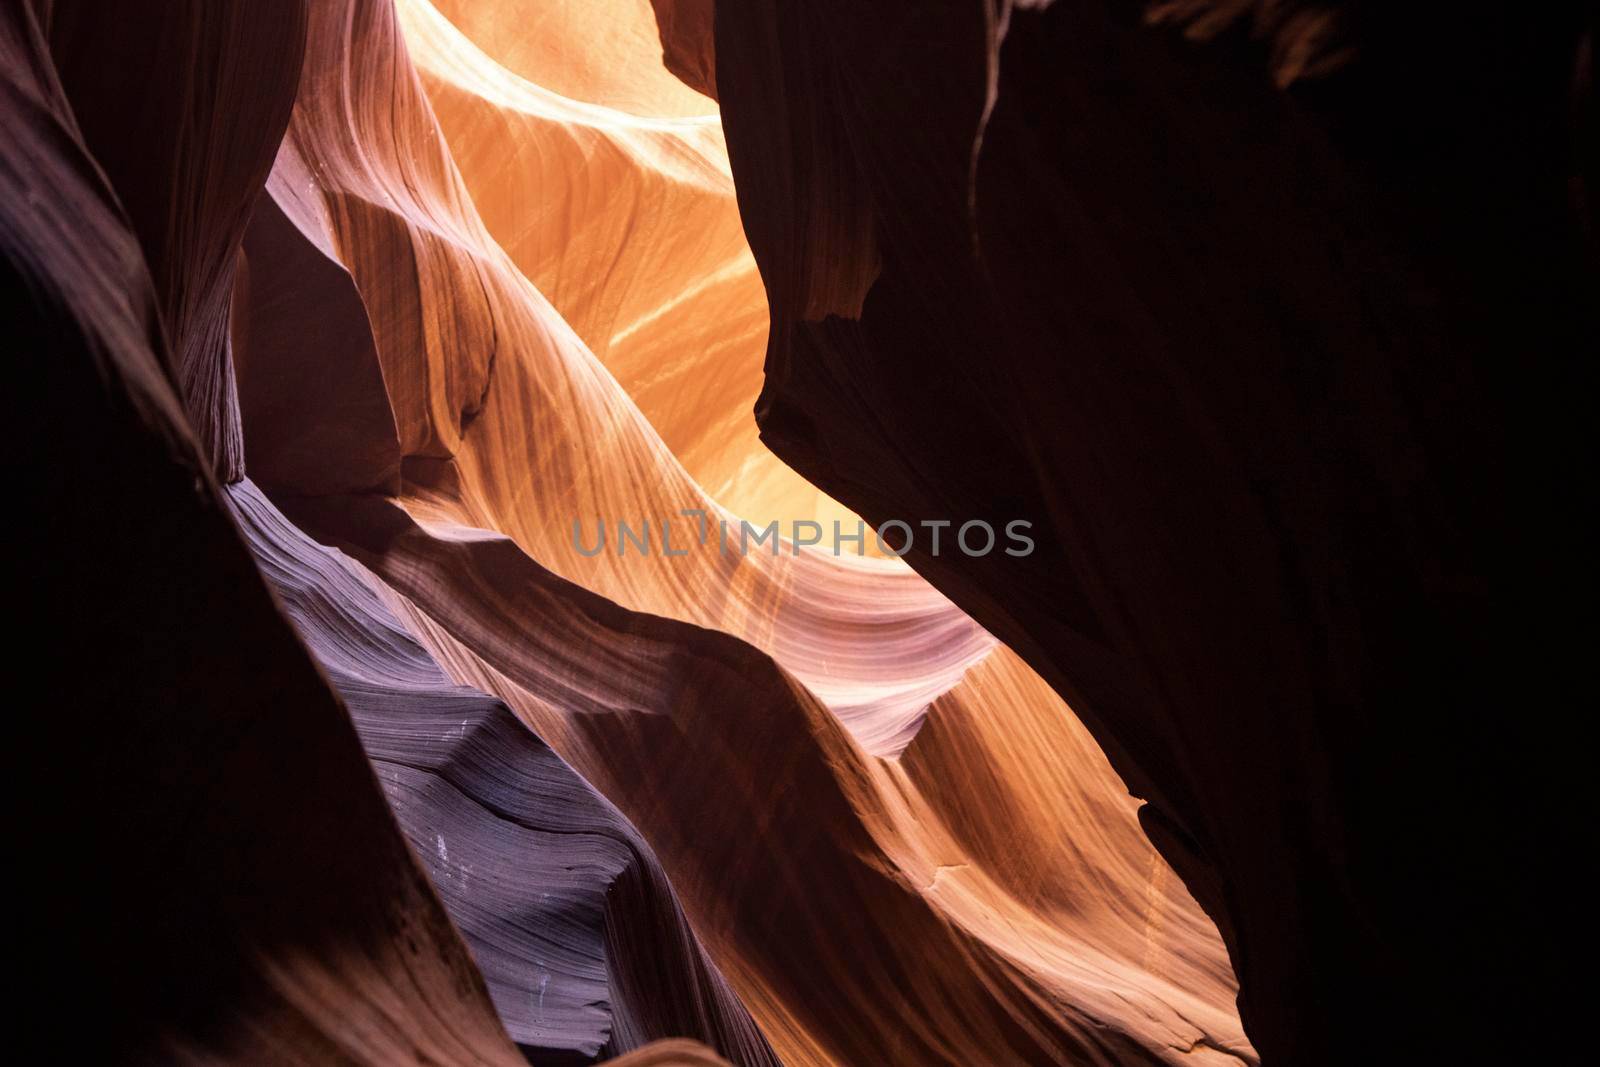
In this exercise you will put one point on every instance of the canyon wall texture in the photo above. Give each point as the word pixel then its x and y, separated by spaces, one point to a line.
pixel 1271 327
pixel 346 327
pixel 215 860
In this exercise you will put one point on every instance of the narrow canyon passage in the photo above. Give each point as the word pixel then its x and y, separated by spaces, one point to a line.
pixel 452 418
pixel 602 252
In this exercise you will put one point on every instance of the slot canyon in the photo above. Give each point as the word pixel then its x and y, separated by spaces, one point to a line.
pixel 1090 561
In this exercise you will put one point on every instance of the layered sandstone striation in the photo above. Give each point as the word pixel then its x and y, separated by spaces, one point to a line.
pixel 763 726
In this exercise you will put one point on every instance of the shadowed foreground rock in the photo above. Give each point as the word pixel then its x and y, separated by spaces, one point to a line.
pixel 216 853
pixel 1271 331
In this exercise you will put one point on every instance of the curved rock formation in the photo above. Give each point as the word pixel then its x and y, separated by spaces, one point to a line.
pixel 1069 941
pixel 266 908
pixel 795 821
pixel 315 417
pixel 1244 356
pixel 869 637
pixel 627 224
pixel 604 52
pixel 187 157
pixel 567 912
pixel 217 854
